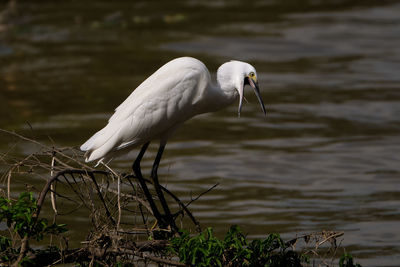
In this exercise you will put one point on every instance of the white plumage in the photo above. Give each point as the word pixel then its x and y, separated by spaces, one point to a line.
pixel 177 91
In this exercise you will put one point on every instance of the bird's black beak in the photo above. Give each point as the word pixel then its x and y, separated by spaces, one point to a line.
pixel 254 85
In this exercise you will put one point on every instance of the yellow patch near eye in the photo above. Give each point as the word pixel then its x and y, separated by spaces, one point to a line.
pixel 253 76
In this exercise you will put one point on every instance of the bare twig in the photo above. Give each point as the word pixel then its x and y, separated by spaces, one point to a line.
pixel 53 186
pixel 201 194
pixel 119 201
pixel 59 151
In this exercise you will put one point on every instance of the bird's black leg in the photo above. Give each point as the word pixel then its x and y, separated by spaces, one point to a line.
pixel 138 173
pixel 160 194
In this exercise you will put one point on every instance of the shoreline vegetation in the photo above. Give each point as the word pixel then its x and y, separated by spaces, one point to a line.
pixel 123 230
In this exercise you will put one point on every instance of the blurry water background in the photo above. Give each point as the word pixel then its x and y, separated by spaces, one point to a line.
pixel 326 157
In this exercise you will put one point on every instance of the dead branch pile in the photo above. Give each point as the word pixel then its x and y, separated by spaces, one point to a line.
pixel 122 226
pixel 122 221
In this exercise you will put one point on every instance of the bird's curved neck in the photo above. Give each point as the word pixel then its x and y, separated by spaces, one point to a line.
pixel 222 95
pixel 227 90
pixel 217 95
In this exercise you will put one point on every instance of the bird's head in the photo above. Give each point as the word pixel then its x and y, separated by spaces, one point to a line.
pixel 235 75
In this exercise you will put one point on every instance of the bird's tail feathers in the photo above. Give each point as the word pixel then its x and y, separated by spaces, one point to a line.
pixel 89 144
pixel 101 143
pixel 101 151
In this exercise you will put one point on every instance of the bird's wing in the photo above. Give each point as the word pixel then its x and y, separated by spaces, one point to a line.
pixel 160 85
pixel 163 100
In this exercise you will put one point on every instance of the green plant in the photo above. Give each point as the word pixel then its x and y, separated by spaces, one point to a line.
pixel 21 218
pixel 273 251
pixel 207 250
pixel 202 250
pixel 7 252
pixel 347 261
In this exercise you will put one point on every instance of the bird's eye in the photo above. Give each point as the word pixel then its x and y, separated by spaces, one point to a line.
pixel 251 74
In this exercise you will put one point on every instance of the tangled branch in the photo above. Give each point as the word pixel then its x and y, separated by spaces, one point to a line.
pixel 99 191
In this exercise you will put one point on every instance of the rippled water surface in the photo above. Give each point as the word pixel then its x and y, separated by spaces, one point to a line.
pixel 326 157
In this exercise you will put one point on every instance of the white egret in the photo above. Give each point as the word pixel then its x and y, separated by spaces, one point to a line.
pixel 176 92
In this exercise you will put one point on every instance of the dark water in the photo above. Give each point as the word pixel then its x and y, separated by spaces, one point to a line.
pixel 326 157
